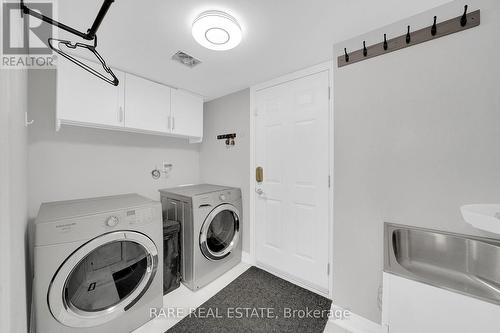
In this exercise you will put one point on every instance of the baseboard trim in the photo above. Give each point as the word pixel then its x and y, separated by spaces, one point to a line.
pixel 357 324
pixel 247 258
pixel 285 276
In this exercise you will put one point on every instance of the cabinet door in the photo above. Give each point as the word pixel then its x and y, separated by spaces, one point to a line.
pixel 147 105
pixel 187 114
pixel 415 307
pixel 84 98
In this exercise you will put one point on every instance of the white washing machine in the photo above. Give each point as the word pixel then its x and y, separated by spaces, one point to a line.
pixel 96 264
pixel 210 217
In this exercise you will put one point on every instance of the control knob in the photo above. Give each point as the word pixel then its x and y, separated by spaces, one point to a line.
pixel 112 221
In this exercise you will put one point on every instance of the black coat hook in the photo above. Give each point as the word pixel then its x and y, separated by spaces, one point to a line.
pixel 346 55
pixel 365 51
pixel 463 20
pixel 408 36
pixel 385 42
pixel 434 27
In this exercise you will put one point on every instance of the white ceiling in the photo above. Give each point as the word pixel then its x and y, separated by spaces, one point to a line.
pixel 279 36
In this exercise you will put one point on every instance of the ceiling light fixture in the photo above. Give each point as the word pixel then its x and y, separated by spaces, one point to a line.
pixel 217 30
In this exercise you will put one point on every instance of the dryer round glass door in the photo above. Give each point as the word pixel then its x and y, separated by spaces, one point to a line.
pixel 102 279
pixel 220 232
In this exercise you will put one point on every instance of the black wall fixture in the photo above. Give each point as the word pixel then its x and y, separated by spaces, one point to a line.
pixel 90 35
pixel 229 138
pixel 434 27
pixel 346 55
pixel 226 136
pixel 463 22
pixel 408 36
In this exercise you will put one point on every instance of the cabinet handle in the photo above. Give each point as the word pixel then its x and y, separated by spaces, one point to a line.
pixel 173 123
pixel 169 123
pixel 120 114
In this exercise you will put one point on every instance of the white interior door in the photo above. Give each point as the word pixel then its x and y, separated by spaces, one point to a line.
pixel 292 147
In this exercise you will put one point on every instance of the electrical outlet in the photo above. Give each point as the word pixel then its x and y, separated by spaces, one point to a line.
pixel 167 166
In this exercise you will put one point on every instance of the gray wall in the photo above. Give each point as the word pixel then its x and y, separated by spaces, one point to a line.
pixel 13 210
pixel 231 167
pixel 81 162
pixel 416 137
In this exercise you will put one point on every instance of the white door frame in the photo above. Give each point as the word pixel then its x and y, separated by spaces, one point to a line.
pixel 326 66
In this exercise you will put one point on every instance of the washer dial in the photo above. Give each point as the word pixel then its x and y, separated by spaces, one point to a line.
pixel 112 221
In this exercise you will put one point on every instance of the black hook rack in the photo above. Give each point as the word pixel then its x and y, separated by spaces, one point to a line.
pixel 408 36
pixel 434 27
pixel 90 35
pixel 229 139
pixel 463 22
pixel 226 136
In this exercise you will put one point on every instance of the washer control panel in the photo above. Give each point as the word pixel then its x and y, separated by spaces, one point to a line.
pixel 210 200
pixel 94 221
pixel 139 216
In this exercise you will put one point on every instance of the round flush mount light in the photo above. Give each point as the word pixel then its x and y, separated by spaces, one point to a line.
pixel 217 30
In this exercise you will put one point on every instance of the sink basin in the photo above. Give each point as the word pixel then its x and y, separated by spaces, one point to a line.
pixel 464 264
pixel 484 217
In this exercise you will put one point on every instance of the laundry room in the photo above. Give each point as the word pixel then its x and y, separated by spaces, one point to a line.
pixel 249 166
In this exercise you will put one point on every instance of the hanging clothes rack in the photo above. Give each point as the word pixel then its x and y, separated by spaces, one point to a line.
pixel 90 35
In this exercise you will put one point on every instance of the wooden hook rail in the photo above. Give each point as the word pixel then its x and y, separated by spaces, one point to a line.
pixel 437 30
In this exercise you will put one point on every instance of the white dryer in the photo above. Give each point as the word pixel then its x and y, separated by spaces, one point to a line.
pixel 96 264
pixel 210 217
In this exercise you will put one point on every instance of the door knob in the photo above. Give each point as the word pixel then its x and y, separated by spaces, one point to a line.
pixel 260 192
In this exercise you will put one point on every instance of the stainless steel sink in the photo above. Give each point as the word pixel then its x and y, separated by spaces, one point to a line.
pixel 465 264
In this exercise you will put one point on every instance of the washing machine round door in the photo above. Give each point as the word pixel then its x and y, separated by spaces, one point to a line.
pixel 220 232
pixel 102 279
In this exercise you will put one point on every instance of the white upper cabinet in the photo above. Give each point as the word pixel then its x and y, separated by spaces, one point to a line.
pixel 187 114
pixel 136 105
pixel 147 105
pixel 84 98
